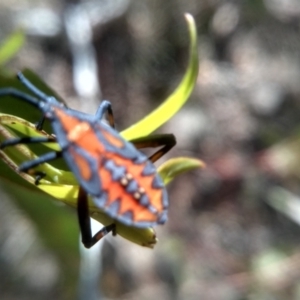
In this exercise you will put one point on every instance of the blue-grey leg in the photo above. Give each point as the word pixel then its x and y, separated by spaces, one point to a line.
pixel 105 107
pixel 40 160
pixel 26 140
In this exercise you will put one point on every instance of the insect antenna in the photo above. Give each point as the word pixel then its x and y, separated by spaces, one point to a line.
pixel 20 95
pixel 42 96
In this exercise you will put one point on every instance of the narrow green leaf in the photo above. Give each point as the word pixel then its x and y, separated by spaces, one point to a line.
pixel 25 128
pixel 176 166
pixel 177 99
pixel 66 190
pixel 59 184
pixel 12 127
pixel 11 46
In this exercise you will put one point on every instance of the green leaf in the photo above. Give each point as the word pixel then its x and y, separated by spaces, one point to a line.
pixel 12 127
pixel 177 99
pixel 176 166
pixel 11 46
pixel 59 184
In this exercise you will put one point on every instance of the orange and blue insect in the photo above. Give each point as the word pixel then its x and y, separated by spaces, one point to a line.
pixel 121 180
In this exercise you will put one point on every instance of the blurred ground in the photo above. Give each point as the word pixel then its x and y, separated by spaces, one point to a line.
pixel 233 228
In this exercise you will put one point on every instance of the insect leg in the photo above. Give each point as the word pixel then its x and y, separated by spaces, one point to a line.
pixel 168 141
pixel 40 160
pixel 85 222
pixel 39 125
pixel 27 140
pixel 38 177
pixel 105 107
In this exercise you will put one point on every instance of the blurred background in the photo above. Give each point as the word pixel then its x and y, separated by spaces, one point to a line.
pixel 233 229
